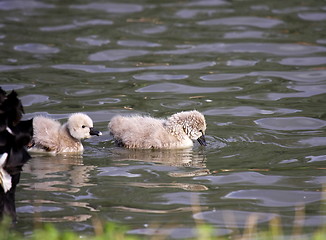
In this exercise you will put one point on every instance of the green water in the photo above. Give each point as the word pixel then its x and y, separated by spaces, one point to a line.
pixel 255 69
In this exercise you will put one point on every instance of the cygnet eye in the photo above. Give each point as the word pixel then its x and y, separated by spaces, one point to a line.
pixel 83 126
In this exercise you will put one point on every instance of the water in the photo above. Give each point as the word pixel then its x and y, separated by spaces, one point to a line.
pixel 256 69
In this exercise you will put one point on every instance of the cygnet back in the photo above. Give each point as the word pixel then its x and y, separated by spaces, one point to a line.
pixel 176 132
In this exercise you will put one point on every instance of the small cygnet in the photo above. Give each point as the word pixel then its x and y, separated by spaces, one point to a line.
pixel 175 132
pixel 50 136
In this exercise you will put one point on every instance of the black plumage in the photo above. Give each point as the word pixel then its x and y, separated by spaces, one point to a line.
pixel 15 135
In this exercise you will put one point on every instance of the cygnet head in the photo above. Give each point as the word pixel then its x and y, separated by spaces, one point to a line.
pixel 193 124
pixel 80 126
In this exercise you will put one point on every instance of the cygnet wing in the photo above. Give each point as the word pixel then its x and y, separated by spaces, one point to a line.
pixel 137 131
pixel 46 132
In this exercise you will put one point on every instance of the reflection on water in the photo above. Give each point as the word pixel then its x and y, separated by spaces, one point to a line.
pixel 181 158
pixel 66 171
pixel 194 160
pixel 255 69
pixel 59 175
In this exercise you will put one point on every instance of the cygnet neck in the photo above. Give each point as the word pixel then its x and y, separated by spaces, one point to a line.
pixel 65 130
pixel 175 126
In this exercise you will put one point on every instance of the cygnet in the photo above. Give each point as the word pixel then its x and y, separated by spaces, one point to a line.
pixel 51 136
pixel 175 132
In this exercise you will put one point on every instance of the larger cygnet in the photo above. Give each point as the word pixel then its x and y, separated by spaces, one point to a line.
pixel 51 136
pixel 175 132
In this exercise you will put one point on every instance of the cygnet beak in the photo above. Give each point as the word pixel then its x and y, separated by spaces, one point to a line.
pixel 92 131
pixel 202 140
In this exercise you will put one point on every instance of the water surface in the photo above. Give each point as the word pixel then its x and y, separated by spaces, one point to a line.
pixel 256 69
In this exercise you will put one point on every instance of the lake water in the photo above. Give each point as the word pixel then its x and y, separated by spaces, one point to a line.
pixel 255 69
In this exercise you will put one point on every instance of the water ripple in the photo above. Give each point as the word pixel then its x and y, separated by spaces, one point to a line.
pixel 82 92
pixel 243 178
pixel 299 76
pixel 276 198
pixel 93 68
pixel 247 111
pixel 157 77
pixel 104 69
pixel 22 4
pixel 118 171
pixel 244 34
pixel 76 24
pixel 207 3
pixel 176 233
pixel 9 87
pixel 191 13
pixel 181 88
pixel 233 218
pixel 111 7
pixel 313 141
pixel 291 10
pixel 301 92
pixel 137 43
pixel 222 76
pixel 154 30
pixel 318 158
pixel 313 16
pixel 4 68
pixel 33 99
pixel 101 101
pixel 38 209
pixel 187 66
pixel 183 186
pixel 116 54
pixel 184 198
pixel 291 123
pixel 241 63
pixel 303 61
pixel 270 48
pixel 92 40
pixel 240 21
pixel 36 48
pixel 179 104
